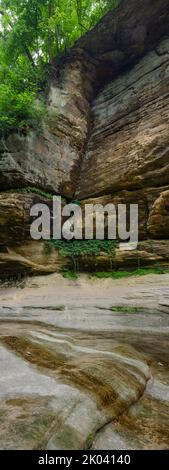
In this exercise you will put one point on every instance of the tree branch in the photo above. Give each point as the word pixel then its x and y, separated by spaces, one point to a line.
pixel 82 26
pixel 29 55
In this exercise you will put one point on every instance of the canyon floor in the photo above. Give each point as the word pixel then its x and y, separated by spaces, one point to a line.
pixel 85 364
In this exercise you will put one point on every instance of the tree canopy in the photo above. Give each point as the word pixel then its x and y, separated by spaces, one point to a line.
pixel 32 34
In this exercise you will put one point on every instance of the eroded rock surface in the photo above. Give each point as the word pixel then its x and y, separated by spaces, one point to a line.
pixel 85 371
pixel 85 365
pixel 19 254
pixel 51 158
pixel 106 140
pixel 128 146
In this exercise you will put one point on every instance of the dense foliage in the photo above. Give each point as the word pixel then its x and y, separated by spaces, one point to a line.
pixel 76 248
pixel 32 33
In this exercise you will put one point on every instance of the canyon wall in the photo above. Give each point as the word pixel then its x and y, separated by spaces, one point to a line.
pixel 106 140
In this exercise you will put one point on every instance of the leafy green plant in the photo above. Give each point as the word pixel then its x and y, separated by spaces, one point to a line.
pixel 127 309
pixel 76 202
pixel 32 189
pixel 19 110
pixel 71 275
pixel 32 34
pixel 80 248
pixel 137 272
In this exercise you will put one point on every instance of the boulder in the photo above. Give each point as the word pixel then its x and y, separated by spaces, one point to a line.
pixel 30 258
pixel 15 217
pixel 158 222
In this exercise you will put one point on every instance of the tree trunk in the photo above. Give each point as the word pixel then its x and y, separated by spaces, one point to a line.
pixel 50 11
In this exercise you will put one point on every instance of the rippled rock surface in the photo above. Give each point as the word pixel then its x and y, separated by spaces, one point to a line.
pixel 85 364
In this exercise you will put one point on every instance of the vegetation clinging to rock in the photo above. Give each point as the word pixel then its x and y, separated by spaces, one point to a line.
pixel 32 34
pixel 77 248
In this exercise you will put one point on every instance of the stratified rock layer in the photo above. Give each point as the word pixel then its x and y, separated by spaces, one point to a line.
pixel 51 158
pixel 128 145
pixel 106 139
pixel 88 370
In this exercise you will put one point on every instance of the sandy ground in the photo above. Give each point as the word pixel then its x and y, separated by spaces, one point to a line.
pixel 153 289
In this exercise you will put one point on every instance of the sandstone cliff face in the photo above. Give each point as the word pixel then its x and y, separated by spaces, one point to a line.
pixel 128 146
pixel 20 254
pixel 106 139
pixel 50 159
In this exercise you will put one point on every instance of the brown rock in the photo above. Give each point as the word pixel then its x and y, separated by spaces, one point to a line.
pixel 113 149
pixel 128 145
pixel 148 209
pixel 128 198
pixel 29 258
pixel 15 217
pixel 126 33
pixel 158 222
pixel 148 253
pixel 51 158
